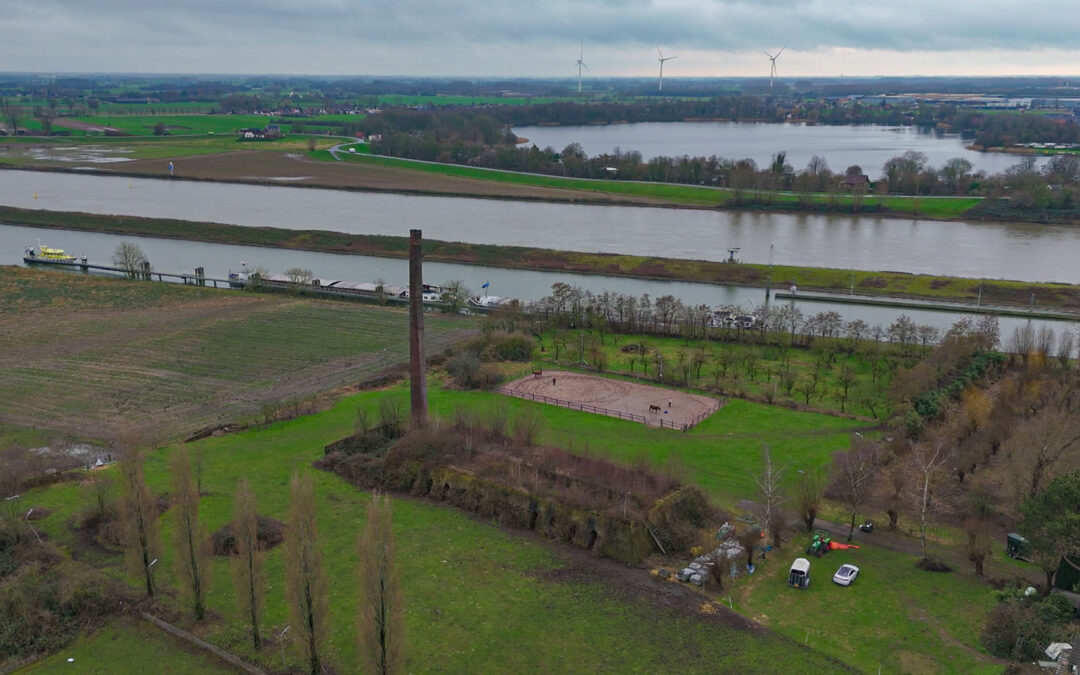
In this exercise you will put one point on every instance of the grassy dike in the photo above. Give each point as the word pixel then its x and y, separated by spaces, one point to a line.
pixel 891 284
pixel 938 208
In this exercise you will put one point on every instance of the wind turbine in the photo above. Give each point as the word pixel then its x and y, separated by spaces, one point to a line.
pixel 580 64
pixel 772 60
pixel 662 59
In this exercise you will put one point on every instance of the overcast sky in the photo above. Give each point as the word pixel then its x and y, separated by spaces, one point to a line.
pixel 541 37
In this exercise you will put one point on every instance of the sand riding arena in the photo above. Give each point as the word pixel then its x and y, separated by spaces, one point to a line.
pixel 653 406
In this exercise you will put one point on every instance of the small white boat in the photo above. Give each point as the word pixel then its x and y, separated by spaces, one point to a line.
pixel 488 301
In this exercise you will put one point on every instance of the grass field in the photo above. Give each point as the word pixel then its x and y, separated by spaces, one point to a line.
pixel 473 590
pixel 88 355
pixel 143 125
pixel 929 207
pixel 727 365
pixel 128 646
pixel 479 599
pixel 894 615
pixel 438 100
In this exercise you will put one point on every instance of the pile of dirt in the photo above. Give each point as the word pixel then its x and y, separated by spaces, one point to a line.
pixel 270 533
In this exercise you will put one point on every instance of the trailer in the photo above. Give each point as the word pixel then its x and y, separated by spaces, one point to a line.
pixel 799 575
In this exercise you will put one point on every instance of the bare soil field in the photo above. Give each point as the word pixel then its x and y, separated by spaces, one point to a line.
pixel 90 356
pixel 295 169
pixel 615 398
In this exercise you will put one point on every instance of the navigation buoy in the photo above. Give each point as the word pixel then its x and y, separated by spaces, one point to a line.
pixel 129 186
pixel 35 195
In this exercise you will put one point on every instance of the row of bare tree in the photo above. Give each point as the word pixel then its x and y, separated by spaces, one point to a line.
pixel 380 624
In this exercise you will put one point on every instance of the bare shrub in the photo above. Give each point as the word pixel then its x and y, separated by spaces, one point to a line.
pixel 497 417
pixel 391 417
pixel 527 426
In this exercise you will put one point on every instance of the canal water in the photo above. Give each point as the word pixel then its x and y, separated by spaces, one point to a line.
pixel 175 256
pixel 867 145
pixel 1027 252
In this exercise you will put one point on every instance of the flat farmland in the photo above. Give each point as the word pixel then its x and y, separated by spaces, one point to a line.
pixel 89 356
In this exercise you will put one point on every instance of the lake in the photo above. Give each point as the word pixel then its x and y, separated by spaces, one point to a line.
pixel 867 145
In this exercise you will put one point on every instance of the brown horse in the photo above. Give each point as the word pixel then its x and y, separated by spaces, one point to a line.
pixel 653 408
pixel 537 373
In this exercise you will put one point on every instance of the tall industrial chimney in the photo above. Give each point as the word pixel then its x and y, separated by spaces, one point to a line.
pixel 417 364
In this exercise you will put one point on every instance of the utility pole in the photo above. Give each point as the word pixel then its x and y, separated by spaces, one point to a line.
pixel 417 363
pixel 768 279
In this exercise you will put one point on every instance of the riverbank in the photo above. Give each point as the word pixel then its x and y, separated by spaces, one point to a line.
pixel 1017 294
pixel 374 173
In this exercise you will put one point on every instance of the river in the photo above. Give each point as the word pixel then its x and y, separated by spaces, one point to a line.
pixel 868 145
pixel 1026 252
pixel 168 255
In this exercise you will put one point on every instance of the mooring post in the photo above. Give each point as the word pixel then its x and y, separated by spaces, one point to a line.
pixel 200 276
pixel 417 364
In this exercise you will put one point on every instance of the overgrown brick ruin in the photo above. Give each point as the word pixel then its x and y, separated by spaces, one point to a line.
pixel 620 512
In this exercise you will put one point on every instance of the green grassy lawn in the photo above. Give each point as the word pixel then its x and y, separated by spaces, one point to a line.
pixel 143 125
pixel 290 119
pixel 932 207
pixel 129 645
pixel 479 599
pixel 894 615
pixel 737 377
pixel 440 100
pixel 720 455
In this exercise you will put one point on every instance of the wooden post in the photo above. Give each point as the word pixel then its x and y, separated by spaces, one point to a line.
pixel 417 364
pixel 200 276
pixel 146 270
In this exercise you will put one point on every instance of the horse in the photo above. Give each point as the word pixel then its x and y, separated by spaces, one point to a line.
pixel 653 408
pixel 537 373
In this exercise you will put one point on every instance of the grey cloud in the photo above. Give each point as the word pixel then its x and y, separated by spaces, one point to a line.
pixel 103 33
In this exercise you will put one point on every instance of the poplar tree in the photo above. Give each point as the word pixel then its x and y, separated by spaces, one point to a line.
pixel 192 544
pixel 305 581
pixel 139 514
pixel 248 575
pixel 381 626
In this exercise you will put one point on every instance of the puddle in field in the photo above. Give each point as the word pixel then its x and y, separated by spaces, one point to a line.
pixel 83 154
pixel 88 456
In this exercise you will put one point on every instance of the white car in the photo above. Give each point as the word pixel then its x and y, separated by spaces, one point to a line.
pixel 846 574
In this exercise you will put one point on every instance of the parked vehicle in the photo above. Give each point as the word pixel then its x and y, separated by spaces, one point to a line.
pixel 799 574
pixel 1017 547
pixel 845 576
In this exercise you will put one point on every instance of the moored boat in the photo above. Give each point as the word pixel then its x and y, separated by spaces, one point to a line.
pixel 488 301
pixel 49 256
